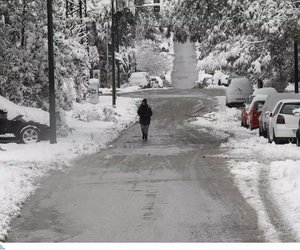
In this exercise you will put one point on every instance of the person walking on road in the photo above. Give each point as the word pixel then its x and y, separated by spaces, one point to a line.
pixel 145 114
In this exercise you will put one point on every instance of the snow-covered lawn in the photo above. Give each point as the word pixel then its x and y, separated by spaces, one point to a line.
pixel 255 163
pixel 90 128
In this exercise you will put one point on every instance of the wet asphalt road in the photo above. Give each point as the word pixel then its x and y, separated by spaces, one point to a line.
pixel 173 188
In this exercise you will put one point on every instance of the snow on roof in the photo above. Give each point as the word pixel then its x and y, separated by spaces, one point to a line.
pixel 28 113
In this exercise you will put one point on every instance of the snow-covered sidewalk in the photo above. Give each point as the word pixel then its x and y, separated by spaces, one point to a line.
pixel 257 163
pixel 91 128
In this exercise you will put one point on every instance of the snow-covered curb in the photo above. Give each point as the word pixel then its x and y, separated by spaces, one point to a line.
pixel 253 155
pixel 91 127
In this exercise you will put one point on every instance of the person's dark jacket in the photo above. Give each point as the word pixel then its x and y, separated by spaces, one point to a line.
pixel 145 114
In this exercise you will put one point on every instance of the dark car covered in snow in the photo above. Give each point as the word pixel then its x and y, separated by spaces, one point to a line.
pixel 20 121
pixel 26 132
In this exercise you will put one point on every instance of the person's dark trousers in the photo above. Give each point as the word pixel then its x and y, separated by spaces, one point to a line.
pixel 145 129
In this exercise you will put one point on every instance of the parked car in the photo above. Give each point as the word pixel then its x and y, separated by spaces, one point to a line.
pixel 156 82
pixel 20 122
pixel 204 79
pixel 255 109
pixel 263 93
pixel 284 121
pixel 269 105
pixel 140 79
pixel 238 91
pixel 220 78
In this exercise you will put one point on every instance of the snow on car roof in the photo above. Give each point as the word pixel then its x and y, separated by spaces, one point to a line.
pixel 138 78
pixel 28 113
pixel 138 74
pixel 265 91
pixel 273 99
pixel 260 97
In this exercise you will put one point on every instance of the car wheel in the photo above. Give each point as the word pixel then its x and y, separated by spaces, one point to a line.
pixel 30 134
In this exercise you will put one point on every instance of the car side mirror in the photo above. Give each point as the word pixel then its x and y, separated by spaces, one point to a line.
pixel 268 114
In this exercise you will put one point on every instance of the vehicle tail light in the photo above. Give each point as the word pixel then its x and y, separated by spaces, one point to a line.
pixel 280 119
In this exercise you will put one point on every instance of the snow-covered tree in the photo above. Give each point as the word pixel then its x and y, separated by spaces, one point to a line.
pixel 253 37
pixel 150 59
pixel 24 54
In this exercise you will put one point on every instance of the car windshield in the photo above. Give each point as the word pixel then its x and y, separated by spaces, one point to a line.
pixel 288 108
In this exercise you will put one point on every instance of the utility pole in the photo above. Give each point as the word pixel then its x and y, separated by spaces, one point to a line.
pixel 296 65
pixel 51 75
pixel 118 47
pixel 113 53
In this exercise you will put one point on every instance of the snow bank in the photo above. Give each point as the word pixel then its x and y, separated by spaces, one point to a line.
pixel 255 162
pixel 284 180
pixel 90 128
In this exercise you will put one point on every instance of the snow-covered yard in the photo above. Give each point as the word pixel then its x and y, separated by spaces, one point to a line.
pixel 255 163
pixel 90 128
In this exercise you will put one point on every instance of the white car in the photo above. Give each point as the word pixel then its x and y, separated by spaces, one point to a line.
pixel 284 121
pixel 238 91
pixel 140 79
pixel 204 79
pixel 156 82
pixel 269 105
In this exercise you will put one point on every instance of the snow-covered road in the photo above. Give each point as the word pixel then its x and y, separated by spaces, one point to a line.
pixel 172 188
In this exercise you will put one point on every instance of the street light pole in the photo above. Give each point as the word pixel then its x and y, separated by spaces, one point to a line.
pixel 113 53
pixel 51 75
